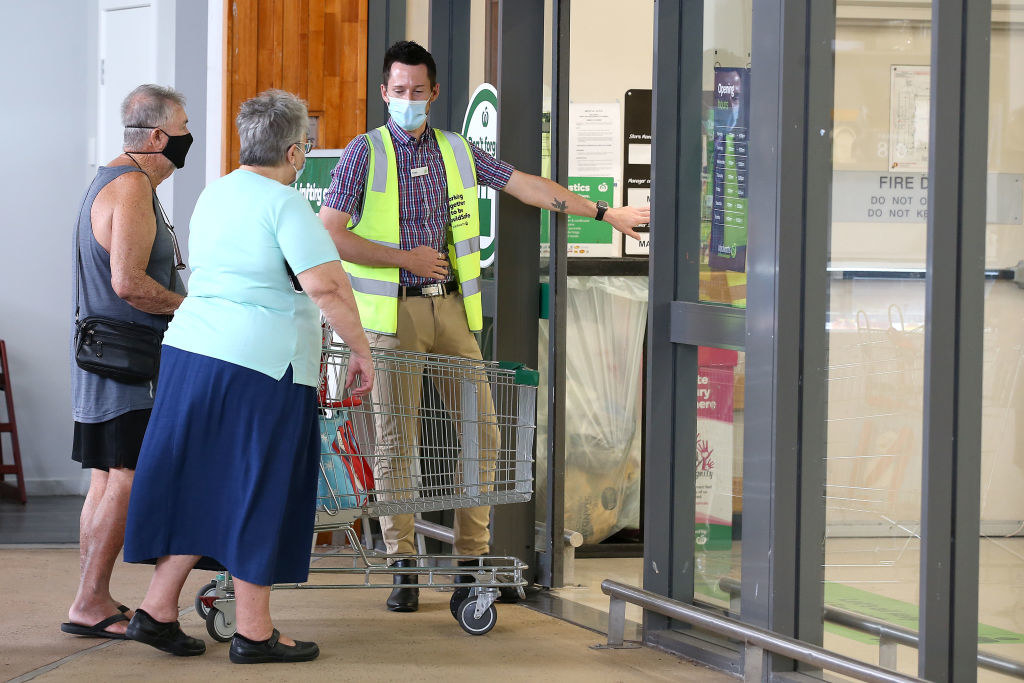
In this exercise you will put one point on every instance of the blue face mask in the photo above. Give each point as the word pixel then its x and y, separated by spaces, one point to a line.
pixel 409 114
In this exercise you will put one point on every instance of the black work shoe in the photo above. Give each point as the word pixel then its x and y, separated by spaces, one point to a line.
pixel 466 578
pixel 404 598
pixel 245 651
pixel 163 635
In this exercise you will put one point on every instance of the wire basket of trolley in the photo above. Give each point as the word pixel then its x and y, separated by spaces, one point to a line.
pixel 391 453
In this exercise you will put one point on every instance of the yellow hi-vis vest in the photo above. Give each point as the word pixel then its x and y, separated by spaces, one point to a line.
pixel 376 287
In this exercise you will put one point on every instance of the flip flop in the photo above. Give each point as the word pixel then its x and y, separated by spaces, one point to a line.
pixel 124 609
pixel 97 630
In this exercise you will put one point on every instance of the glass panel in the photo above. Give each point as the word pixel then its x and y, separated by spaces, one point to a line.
pixel 876 320
pixel 1001 552
pixel 607 313
pixel 723 225
pixel 719 475
pixel 718 453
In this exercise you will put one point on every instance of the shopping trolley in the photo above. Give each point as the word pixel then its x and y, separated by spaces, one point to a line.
pixel 389 453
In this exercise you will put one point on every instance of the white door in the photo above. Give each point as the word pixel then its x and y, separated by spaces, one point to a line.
pixel 128 47
pixel 127 60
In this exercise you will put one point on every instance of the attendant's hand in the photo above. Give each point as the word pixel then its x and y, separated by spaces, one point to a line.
pixel 625 218
pixel 424 261
pixel 359 365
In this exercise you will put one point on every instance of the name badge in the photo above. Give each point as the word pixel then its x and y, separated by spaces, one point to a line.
pixel 417 172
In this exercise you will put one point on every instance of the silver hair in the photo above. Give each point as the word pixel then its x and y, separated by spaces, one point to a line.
pixel 268 125
pixel 148 106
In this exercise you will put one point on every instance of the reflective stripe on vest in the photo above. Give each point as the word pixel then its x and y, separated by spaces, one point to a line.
pixel 376 287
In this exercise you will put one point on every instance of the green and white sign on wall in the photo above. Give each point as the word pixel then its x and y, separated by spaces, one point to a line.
pixel 316 176
pixel 481 128
pixel 584 233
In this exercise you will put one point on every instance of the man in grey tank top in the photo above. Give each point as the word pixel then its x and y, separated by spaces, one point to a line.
pixel 126 260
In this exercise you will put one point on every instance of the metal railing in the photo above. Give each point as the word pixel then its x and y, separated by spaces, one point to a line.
pixel 755 640
pixel 889 635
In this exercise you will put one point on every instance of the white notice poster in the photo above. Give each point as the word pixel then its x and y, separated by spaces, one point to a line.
pixel 595 151
pixel 908 118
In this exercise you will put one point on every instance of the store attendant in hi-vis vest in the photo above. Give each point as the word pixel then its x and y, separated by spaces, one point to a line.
pixel 402 210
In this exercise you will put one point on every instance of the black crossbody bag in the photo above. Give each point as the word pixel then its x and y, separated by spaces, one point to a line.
pixel 116 349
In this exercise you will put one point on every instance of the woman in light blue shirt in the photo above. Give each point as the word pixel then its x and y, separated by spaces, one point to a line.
pixel 228 470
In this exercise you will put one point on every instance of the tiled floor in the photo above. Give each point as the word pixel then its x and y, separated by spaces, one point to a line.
pixel 44 519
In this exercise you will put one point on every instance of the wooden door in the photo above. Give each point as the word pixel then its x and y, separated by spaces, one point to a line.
pixel 313 48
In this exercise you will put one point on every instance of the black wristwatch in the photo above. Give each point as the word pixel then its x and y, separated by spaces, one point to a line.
pixel 602 206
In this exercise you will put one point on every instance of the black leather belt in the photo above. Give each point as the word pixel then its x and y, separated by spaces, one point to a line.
pixel 435 289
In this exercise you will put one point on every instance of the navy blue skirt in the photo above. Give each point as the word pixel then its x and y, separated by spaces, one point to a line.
pixel 228 470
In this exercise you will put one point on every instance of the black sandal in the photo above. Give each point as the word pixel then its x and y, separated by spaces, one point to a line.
pixel 97 630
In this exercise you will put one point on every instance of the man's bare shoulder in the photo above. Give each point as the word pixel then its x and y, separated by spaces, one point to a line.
pixel 132 184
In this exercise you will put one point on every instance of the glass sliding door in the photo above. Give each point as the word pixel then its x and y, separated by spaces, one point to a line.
pixel 1001 551
pixel 876 322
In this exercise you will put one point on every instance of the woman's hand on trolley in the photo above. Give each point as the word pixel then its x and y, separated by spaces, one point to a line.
pixel 361 367
pixel 328 286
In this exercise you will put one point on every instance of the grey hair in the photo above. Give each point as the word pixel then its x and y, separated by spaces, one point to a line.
pixel 148 106
pixel 268 125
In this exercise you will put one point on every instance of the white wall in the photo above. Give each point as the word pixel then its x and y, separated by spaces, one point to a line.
pixel 417 22
pixel 50 120
pixel 46 119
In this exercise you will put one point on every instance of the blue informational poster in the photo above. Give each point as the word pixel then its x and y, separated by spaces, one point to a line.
pixel 729 168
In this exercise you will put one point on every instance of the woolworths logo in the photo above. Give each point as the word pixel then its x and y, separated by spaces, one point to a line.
pixel 481 128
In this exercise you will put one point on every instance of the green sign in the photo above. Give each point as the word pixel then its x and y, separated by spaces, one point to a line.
pixel 585 230
pixel 316 176
pixel 481 128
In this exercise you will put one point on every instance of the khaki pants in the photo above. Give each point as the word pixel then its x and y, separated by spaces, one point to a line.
pixel 429 325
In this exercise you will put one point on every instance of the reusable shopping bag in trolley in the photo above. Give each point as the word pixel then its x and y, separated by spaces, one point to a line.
pixel 344 472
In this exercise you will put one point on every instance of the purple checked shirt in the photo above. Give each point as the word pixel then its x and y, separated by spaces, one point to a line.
pixel 422 201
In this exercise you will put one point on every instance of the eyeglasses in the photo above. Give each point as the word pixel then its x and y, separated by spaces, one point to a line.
pixel 179 264
pixel 305 146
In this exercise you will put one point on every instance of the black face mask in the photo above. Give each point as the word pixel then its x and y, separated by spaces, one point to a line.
pixel 176 149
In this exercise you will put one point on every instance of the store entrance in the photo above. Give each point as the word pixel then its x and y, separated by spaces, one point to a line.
pixel 608 145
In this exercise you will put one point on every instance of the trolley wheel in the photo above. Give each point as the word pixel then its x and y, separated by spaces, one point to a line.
pixel 218 627
pixel 458 597
pixel 470 624
pixel 201 609
pixel 508 595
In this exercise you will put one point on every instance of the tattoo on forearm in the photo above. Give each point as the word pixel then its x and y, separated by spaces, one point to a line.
pixel 559 205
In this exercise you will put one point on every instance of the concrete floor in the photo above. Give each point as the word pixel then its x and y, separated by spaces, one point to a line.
pixel 357 637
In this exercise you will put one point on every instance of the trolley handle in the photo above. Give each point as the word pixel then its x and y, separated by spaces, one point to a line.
pixel 350 402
